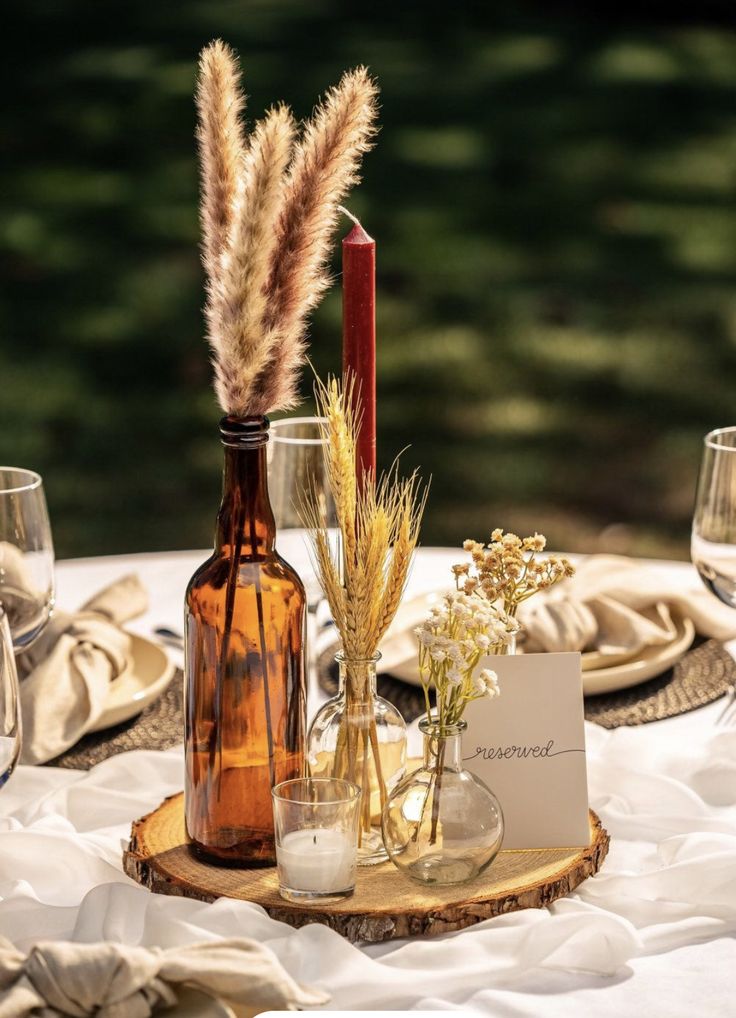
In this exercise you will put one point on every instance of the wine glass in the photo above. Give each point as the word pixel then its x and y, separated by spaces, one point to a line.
pixel 296 461
pixel 26 555
pixel 10 725
pixel 713 542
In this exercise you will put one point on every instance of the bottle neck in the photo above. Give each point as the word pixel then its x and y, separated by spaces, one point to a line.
pixel 443 746
pixel 357 678
pixel 510 647
pixel 245 522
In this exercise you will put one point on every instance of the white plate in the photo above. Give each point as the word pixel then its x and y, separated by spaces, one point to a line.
pixel 146 677
pixel 398 651
pixel 650 662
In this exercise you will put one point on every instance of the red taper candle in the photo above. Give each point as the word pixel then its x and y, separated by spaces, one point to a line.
pixel 359 336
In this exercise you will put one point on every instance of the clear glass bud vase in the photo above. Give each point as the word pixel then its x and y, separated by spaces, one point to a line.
pixel 360 737
pixel 441 824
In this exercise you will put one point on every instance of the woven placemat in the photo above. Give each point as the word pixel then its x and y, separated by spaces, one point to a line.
pixel 159 726
pixel 702 675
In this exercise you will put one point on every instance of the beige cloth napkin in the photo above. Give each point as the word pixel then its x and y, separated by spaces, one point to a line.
pixel 112 980
pixel 66 674
pixel 601 608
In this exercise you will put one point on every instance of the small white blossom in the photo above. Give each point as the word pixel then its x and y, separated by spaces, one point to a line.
pixel 425 637
pixel 460 629
pixel 490 682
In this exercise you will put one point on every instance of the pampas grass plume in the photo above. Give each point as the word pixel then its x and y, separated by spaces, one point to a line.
pixel 268 212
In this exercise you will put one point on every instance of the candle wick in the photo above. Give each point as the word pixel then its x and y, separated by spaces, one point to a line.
pixel 315 839
pixel 345 212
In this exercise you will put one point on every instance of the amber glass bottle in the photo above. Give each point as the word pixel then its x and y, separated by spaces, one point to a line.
pixel 245 687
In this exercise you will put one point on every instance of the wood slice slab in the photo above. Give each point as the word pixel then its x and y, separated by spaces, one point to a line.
pixel 385 904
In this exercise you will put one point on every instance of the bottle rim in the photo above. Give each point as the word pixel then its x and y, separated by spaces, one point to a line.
pixel 342 658
pixel 244 432
pixel 433 726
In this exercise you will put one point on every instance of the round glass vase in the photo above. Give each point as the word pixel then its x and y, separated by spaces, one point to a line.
pixel 442 824
pixel 360 737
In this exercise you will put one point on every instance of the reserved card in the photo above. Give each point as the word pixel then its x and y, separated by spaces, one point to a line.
pixel 528 745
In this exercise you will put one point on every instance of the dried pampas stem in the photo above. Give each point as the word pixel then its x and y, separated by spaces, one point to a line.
pixel 220 103
pixel 239 299
pixel 268 212
pixel 325 166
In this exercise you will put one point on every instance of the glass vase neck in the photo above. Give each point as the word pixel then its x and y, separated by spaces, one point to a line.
pixel 357 676
pixel 442 744
pixel 245 522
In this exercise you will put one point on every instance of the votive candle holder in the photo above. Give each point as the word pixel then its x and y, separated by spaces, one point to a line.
pixel 316 826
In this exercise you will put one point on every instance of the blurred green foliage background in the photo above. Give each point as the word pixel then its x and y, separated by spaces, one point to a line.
pixel 553 197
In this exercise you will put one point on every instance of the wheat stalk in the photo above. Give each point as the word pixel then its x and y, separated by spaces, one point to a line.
pixel 378 524
pixel 364 578
pixel 268 211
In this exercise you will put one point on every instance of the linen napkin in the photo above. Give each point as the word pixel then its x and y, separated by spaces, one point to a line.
pixel 111 980
pixel 66 673
pixel 613 605
pixel 603 608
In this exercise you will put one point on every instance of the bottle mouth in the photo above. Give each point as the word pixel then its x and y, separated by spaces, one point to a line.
pixel 342 658
pixel 433 727
pixel 244 432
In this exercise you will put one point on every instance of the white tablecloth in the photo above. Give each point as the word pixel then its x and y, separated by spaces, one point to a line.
pixel 652 934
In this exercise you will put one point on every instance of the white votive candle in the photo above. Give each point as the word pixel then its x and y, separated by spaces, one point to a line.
pixel 317 859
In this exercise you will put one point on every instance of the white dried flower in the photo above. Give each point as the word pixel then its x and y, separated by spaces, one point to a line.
pixel 425 636
pixel 457 633
pixel 490 683
pixel 455 653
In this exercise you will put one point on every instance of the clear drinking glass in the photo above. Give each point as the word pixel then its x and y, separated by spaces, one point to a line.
pixel 295 461
pixel 316 824
pixel 10 726
pixel 713 542
pixel 26 555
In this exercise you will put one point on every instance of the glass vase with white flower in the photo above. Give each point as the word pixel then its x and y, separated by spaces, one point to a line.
pixel 442 824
